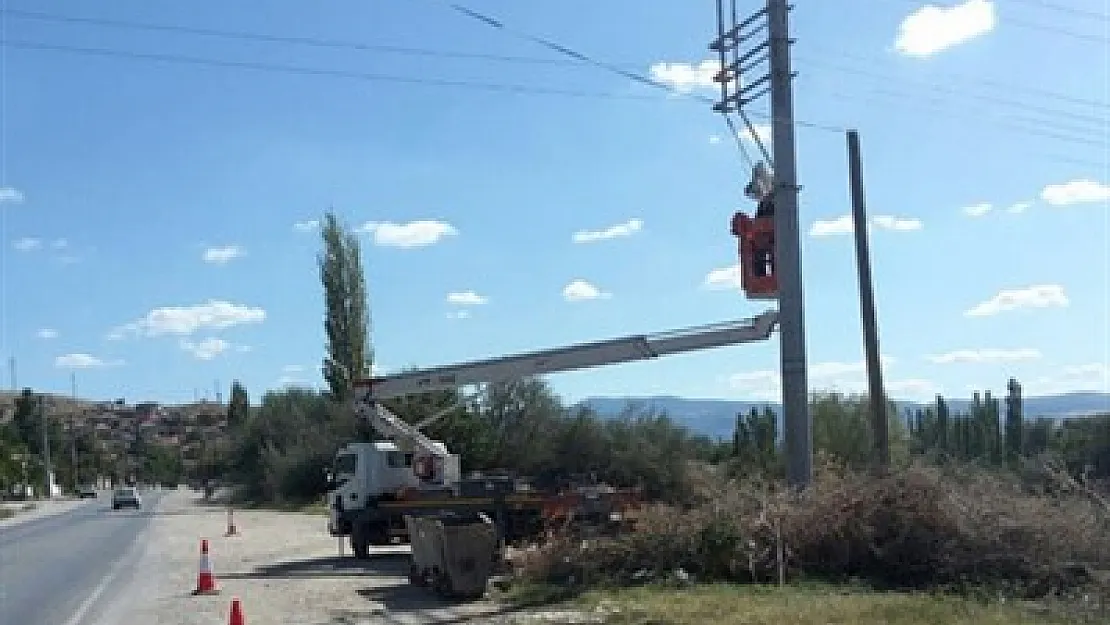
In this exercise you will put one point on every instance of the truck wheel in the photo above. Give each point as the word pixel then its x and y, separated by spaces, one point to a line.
pixel 360 543
pixel 442 584
pixel 379 535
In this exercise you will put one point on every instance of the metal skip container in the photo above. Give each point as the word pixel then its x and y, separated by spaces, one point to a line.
pixel 453 554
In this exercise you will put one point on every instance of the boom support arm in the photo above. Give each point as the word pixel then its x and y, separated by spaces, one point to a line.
pixel 563 359
pixel 408 437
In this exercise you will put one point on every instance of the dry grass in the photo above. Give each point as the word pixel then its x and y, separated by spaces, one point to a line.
pixel 799 604
pixel 922 528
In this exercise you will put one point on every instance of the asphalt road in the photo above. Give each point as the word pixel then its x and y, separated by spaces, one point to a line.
pixel 64 569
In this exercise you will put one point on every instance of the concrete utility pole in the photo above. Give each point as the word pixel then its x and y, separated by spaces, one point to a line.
pixel 47 469
pixel 788 255
pixel 742 84
pixel 880 435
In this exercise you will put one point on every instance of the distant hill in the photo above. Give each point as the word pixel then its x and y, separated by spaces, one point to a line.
pixel 716 417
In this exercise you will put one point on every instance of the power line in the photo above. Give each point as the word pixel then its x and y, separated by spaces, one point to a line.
pixel 572 58
pixel 1055 30
pixel 979 81
pixel 633 76
pixel 315 42
pixel 364 76
pixel 312 71
pixel 1069 10
pixel 491 87
pixel 937 106
pixel 931 87
pixel 1035 126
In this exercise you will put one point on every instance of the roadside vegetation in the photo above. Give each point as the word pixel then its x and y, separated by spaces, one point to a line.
pixel 988 515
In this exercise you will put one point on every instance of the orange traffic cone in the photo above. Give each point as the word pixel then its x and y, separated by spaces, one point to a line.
pixel 231 531
pixel 236 616
pixel 206 582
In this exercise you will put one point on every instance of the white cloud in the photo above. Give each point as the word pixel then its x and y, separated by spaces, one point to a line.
pixel 212 315
pixel 207 349
pixel 763 131
pixel 714 139
pixel 932 29
pixel 1036 296
pixel 1018 207
pixel 897 224
pixel 420 233
pixel 10 195
pixel 27 244
pixel 831 227
pixel 911 388
pixel 292 369
pixel 844 377
pixel 47 333
pixel 306 226
pixel 59 244
pixel 988 355
pixel 1079 191
pixel 580 290
pixel 1093 376
pixel 458 314
pixel 843 225
pixel 83 361
pixel 724 278
pixel 686 77
pixel 223 255
pixel 626 229
pixel 978 210
pixel 466 298
pixel 287 381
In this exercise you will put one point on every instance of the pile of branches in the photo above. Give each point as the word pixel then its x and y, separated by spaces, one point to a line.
pixel 919 527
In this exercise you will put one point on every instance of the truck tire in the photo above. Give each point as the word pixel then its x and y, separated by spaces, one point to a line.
pixel 360 542
pixel 441 584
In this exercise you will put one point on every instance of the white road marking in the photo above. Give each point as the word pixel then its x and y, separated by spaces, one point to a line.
pixel 90 601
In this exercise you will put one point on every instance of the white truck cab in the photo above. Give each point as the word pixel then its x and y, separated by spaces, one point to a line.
pixel 365 473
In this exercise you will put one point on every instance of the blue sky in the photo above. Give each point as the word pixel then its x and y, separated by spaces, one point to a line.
pixel 157 214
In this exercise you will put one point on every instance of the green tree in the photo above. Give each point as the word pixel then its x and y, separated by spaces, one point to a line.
pixel 238 406
pixel 754 441
pixel 1014 422
pixel 943 417
pixel 346 317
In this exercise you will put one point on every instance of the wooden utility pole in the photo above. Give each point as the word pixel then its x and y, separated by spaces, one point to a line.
pixel 47 469
pixel 879 423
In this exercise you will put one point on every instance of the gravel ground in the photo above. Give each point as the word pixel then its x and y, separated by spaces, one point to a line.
pixel 42 508
pixel 286 570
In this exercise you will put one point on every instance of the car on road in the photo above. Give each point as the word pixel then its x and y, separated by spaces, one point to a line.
pixel 86 492
pixel 126 498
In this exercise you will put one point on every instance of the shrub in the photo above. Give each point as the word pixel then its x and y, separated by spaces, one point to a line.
pixel 918 527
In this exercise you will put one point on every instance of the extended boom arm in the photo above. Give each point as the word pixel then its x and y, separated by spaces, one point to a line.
pixel 369 393
pixel 563 359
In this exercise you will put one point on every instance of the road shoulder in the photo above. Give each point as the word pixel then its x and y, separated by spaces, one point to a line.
pixel 284 567
pixel 42 508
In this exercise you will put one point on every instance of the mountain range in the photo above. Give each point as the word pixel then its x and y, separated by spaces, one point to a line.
pixel 716 417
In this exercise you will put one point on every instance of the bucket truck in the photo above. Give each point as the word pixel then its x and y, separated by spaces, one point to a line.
pixel 374 485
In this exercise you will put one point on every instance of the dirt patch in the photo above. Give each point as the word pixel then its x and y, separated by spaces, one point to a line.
pixel 286 570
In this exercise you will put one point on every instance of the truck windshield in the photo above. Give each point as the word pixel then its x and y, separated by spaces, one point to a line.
pixel 345 463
